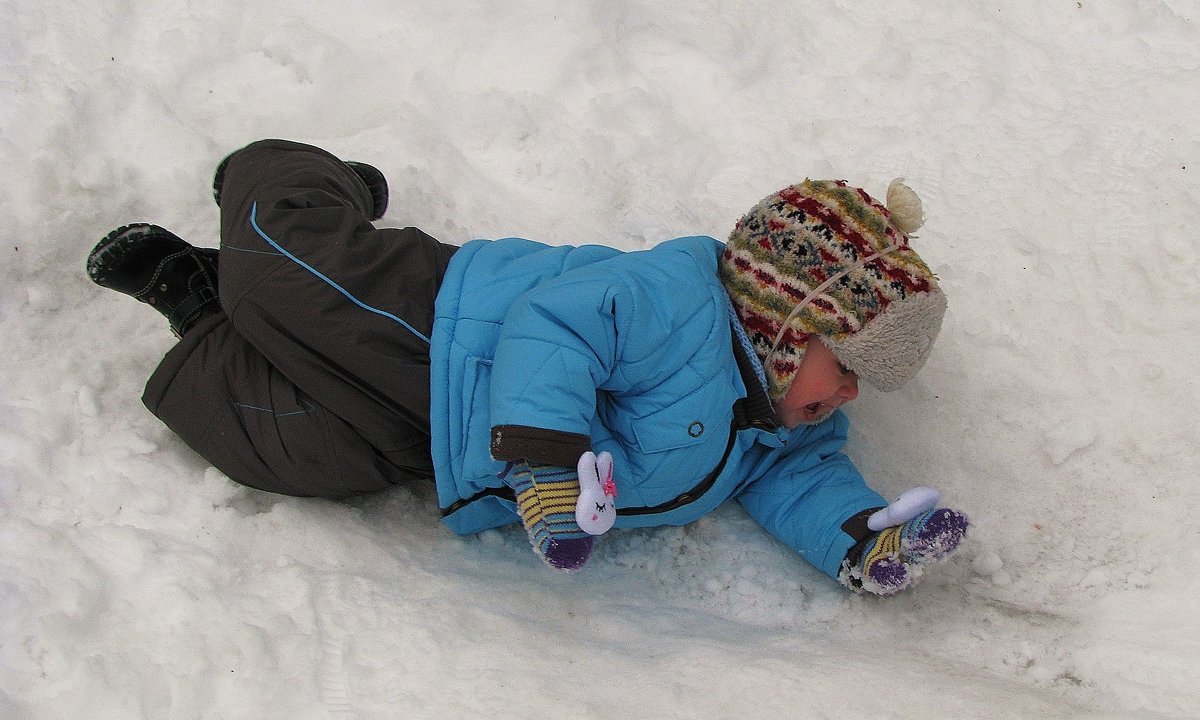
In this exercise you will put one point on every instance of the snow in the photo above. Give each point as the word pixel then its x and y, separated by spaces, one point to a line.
pixel 1053 144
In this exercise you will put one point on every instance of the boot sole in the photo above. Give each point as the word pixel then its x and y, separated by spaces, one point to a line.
pixel 108 254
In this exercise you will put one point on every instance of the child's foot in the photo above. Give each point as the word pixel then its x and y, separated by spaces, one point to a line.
pixel 155 266
pixel 895 557
pixel 370 175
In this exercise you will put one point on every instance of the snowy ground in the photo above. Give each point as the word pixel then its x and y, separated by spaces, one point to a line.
pixel 1054 143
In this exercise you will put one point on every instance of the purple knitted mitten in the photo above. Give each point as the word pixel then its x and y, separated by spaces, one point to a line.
pixel 894 558
pixel 546 498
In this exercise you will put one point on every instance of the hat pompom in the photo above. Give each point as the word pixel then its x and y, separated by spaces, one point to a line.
pixel 904 207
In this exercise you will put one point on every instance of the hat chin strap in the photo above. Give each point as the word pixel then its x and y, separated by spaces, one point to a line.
pixel 820 289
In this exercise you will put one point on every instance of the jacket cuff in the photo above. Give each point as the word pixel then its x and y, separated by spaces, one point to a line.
pixel 511 443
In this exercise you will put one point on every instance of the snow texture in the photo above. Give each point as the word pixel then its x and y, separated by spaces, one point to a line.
pixel 1053 143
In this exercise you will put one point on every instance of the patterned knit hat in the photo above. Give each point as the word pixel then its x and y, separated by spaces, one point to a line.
pixel 824 259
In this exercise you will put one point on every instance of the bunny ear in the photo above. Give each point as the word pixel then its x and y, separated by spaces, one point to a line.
pixel 905 207
pixel 604 468
pixel 910 504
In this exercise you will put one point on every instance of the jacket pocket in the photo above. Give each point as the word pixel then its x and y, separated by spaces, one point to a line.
pixel 685 422
pixel 476 457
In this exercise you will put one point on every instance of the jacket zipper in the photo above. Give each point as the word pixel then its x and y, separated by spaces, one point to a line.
pixel 684 499
pixel 692 495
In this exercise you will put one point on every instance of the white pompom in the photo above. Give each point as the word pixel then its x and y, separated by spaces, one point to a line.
pixel 905 207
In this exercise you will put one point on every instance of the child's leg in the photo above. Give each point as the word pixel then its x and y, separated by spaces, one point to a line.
pixel 239 412
pixel 341 309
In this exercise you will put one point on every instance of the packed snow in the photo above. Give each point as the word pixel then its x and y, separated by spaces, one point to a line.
pixel 1053 142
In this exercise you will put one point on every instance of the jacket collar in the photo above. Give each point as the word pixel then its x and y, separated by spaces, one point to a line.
pixel 756 408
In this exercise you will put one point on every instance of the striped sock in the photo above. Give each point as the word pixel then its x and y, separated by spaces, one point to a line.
pixel 546 499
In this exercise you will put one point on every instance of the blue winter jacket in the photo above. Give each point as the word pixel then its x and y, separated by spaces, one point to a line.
pixel 540 353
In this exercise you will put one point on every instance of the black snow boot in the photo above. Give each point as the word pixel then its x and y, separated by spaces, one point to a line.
pixel 370 175
pixel 159 268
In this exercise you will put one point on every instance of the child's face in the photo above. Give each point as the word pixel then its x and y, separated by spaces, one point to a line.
pixel 821 385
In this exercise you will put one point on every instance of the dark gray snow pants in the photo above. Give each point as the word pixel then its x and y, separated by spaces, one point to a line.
pixel 315 380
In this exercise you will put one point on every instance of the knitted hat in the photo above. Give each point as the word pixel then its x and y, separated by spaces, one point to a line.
pixel 824 259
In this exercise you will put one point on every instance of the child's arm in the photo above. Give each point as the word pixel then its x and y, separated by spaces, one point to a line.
pixel 633 327
pixel 814 499
pixel 558 345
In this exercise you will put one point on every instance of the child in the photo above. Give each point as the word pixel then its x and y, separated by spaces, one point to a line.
pixel 568 387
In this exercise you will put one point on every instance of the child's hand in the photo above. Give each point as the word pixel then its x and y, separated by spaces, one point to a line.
pixel 596 510
pixel 895 557
pixel 547 497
